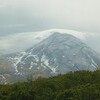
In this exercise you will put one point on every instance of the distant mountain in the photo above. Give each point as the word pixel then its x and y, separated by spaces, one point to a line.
pixel 56 54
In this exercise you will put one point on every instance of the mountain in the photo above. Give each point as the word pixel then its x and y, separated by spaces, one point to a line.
pixel 56 54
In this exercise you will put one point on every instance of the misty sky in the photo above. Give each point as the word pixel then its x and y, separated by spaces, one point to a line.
pixel 34 15
pixel 18 16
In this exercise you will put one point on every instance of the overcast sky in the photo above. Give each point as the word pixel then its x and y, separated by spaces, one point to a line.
pixel 18 16
pixel 34 15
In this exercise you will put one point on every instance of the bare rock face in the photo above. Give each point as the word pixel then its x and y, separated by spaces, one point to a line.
pixel 6 70
pixel 6 67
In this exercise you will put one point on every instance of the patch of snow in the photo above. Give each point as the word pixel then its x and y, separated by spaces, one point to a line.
pixel 46 62
pixel 54 70
pixel 63 56
pixel 38 68
pixel 74 54
pixel 3 79
pixel 31 65
pixel 93 66
pixel 93 62
pixel 55 59
pixel 36 57
pixel 17 60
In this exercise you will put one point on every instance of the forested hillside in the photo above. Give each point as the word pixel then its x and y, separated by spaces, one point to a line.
pixel 82 85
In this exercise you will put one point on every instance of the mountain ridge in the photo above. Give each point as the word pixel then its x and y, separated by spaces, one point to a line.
pixel 47 56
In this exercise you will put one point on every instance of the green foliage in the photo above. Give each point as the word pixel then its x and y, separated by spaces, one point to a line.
pixel 83 92
pixel 81 85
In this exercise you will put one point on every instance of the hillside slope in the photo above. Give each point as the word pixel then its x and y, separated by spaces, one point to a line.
pixel 59 53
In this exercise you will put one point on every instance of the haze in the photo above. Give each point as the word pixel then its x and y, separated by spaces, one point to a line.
pixel 17 16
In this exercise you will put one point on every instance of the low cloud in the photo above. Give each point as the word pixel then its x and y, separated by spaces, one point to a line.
pixel 22 41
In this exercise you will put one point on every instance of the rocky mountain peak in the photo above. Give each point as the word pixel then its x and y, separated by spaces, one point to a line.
pixel 59 53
